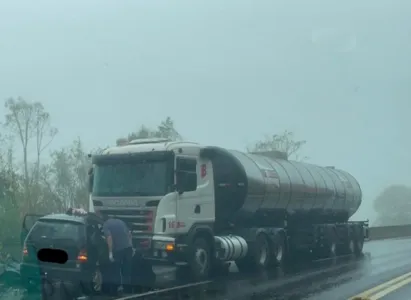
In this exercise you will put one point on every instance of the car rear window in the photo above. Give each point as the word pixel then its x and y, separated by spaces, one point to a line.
pixel 57 230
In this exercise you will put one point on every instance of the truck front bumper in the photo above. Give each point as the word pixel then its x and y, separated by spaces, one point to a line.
pixel 168 250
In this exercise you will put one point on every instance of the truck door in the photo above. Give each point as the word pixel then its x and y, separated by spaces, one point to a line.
pixel 192 203
pixel 28 222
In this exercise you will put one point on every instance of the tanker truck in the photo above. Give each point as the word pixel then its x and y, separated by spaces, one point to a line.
pixel 197 206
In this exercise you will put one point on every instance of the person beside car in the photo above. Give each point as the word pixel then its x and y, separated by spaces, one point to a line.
pixel 118 238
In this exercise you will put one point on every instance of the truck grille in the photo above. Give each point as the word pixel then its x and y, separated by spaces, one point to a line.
pixel 139 221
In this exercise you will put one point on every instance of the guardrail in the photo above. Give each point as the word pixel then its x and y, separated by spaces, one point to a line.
pixel 389 232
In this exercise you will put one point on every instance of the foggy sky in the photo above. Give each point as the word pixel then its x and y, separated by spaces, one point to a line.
pixel 337 73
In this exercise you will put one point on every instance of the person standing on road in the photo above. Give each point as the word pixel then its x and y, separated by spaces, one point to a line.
pixel 118 238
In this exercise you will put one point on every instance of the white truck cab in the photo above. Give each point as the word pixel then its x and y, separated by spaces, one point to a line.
pixel 162 189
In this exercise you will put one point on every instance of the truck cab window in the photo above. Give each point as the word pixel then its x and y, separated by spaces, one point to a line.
pixel 186 174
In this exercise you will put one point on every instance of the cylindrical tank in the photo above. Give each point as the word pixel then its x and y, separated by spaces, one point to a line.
pixel 263 188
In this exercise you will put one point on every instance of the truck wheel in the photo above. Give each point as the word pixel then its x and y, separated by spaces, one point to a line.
pixel 258 257
pixel 331 248
pixel 262 252
pixel 200 259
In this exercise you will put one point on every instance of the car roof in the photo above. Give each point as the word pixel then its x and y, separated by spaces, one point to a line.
pixel 65 217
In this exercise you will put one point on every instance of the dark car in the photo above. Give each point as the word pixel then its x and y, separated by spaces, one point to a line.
pixel 78 236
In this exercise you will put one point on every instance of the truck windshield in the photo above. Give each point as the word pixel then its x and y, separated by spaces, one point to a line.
pixel 131 179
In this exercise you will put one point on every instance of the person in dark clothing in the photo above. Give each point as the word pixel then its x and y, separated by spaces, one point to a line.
pixel 118 238
pixel 102 253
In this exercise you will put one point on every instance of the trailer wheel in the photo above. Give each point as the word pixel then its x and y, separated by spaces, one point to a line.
pixel 200 259
pixel 358 246
pixel 278 252
pixel 351 246
pixel 332 249
pixel 331 246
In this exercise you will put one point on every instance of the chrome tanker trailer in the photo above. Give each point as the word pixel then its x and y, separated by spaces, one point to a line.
pixel 196 206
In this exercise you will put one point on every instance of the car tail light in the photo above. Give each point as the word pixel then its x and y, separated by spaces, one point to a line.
pixel 82 256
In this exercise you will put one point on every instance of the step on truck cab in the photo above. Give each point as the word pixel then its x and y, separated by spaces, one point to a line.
pixel 197 207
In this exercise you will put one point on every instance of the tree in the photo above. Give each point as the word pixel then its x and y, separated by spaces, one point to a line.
pixel 284 142
pixel 393 206
pixel 28 121
pixel 10 196
pixel 166 129
pixel 80 166
pixel 66 177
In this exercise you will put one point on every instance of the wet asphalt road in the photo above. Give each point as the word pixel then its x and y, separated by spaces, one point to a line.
pixel 387 260
pixel 383 261
pixel 402 293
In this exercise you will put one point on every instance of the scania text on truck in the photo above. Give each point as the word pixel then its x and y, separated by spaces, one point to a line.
pixel 197 207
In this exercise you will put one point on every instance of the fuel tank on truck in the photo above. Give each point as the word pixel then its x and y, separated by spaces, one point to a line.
pixel 267 189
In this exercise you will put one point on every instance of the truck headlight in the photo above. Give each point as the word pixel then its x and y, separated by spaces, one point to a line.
pixel 165 246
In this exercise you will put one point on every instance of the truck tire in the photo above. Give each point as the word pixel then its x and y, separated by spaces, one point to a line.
pixel 358 246
pixel 350 246
pixel 200 259
pixel 331 246
pixel 258 257
pixel 262 252
pixel 332 249
pixel 278 250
